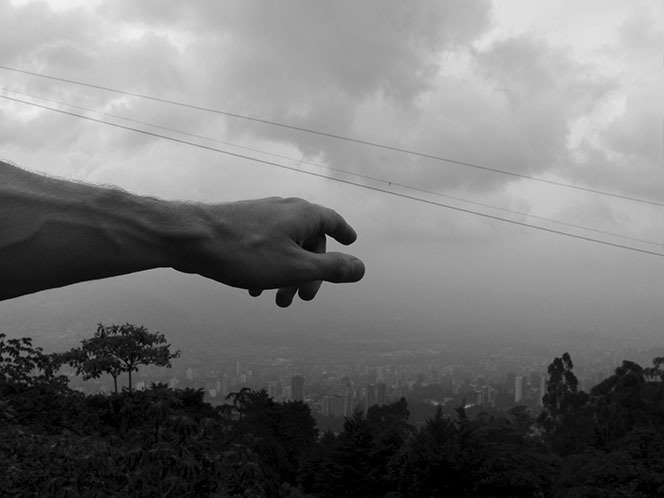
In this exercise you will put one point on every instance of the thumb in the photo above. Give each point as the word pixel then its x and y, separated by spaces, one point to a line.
pixel 337 267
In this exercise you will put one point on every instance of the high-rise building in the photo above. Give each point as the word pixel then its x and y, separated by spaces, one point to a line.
pixel 333 406
pixel 297 388
pixel 542 389
pixel 347 406
pixel 510 382
pixel 518 389
pixel 381 393
pixel 346 386
pixel 273 390
pixel 479 398
pixel 491 397
pixel 326 405
pixel 370 398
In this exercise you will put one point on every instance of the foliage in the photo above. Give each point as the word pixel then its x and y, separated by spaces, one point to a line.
pixel 566 418
pixel 23 366
pixel 484 457
pixel 117 349
pixel 362 459
pixel 280 434
pixel 656 372
pixel 166 442
pixel 160 442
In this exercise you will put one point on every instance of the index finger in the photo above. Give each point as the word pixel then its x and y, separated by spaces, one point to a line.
pixel 334 225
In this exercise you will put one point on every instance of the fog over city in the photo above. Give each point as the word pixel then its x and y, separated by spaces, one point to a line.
pixel 569 92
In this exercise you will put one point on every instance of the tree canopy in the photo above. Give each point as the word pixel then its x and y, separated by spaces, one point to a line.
pixel 168 442
pixel 116 349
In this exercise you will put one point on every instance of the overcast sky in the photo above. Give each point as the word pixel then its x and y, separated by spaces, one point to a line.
pixel 568 91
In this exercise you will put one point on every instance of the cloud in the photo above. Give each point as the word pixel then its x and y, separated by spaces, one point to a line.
pixel 626 153
pixel 391 72
pixel 287 47
pixel 444 78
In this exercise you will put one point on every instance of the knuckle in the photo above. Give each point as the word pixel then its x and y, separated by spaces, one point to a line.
pixel 294 200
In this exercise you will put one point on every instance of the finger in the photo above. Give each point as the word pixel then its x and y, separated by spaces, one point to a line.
pixel 285 296
pixel 333 224
pixel 316 244
pixel 309 290
pixel 255 292
pixel 337 267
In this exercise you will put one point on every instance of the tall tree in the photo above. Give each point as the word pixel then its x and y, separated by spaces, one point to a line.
pixel 566 418
pixel 626 401
pixel 120 348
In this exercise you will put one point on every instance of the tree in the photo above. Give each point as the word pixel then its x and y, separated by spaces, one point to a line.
pixel 626 401
pixel 22 365
pixel 522 418
pixel 363 460
pixel 566 418
pixel 656 372
pixel 282 434
pixel 429 465
pixel 120 348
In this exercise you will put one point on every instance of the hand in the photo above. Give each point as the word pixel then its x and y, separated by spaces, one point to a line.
pixel 270 243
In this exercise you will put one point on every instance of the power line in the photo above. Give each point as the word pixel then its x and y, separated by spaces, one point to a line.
pixel 318 165
pixel 340 180
pixel 339 137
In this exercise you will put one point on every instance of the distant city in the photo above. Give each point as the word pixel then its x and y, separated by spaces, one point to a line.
pixel 479 379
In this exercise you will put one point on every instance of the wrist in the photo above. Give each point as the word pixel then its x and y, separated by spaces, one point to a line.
pixel 195 235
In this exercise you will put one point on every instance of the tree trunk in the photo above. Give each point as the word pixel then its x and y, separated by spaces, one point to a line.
pixel 129 380
pixel 115 383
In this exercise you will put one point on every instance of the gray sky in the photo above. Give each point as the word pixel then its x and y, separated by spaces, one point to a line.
pixel 565 91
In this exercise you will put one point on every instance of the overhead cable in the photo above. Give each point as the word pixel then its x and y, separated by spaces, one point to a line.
pixel 338 170
pixel 339 137
pixel 340 180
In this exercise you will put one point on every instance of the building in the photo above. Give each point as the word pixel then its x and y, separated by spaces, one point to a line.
pixel 491 396
pixel 274 390
pixel 542 390
pixel 348 405
pixel 333 406
pixel 370 398
pixel 381 393
pixel 518 389
pixel 297 388
pixel 225 385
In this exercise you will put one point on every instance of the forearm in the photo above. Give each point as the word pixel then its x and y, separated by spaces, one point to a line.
pixel 54 232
